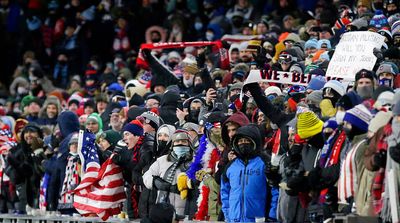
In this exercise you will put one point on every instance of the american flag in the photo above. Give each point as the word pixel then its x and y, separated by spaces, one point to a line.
pixel 101 190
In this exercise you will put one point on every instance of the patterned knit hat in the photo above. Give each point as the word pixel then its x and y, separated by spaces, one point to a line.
pixel 393 18
pixel 358 116
pixel 151 118
pixel 379 20
pixel 135 127
pixel 396 28
pixel 308 124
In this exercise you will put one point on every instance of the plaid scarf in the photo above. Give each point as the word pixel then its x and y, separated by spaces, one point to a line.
pixel 378 183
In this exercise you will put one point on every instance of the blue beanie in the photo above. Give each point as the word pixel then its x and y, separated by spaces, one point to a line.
pixel 324 41
pixel 133 128
pixel 358 116
pixel 311 43
pixel 330 123
pixel 316 83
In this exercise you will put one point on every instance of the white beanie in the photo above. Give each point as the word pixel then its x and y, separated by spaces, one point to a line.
pixel 337 86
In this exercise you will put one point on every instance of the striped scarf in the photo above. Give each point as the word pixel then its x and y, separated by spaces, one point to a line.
pixel 378 183
pixel 71 180
pixel 348 183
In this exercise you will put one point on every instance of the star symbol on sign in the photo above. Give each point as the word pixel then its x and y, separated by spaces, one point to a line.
pixel 87 138
pixel 285 75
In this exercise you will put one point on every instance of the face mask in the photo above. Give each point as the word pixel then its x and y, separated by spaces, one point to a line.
pixel 327 135
pixel 246 150
pixel 340 117
pixel 73 154
pixel 21 90
pixel 390 13
pixel 181 151
pixel 198 89
pixel 172 64
pixel 161 145
pixel 194 115
pixel 198 26
pixel 237 22
pixel 386 82
pixel 188 83
pixel 365 92
pixel 209 36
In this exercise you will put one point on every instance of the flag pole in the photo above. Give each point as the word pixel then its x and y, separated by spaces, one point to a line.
pixel 80 143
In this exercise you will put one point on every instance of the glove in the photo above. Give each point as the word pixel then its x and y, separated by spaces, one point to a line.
pixel 161 184
pixel 314 177
pixel 182 184
pixel 380 158
pixel 272 173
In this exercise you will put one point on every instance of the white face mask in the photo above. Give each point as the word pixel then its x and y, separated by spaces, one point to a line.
pixel 22 90
pixel 209 36
pixel 340 117
pixel 188 83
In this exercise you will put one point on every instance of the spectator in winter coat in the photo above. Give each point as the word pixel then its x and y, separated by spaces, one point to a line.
pixel 107 141
pixel 25 160
pixel 244 184
pixel 164 135
pixel 167 176
pixel 49 112
pixel 72 178
pixel 55 167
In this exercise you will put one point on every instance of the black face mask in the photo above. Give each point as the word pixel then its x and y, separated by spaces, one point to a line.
pixel 194 115
pixel 172 64
pixel 351 133
pixel 246 151
pixel 326 136
pixel 317 141
pixel 161 145
pixel 237 22
pixel 198 89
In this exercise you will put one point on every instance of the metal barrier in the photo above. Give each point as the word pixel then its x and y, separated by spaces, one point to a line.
pixel 9 218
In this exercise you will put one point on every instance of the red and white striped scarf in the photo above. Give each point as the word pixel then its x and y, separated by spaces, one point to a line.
pixel 348 183
pixel 71 181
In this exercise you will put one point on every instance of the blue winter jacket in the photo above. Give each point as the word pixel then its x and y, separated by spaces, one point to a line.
pixel 244 194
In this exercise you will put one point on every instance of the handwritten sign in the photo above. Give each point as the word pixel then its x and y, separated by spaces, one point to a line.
pixel 353 53
pixel 281 77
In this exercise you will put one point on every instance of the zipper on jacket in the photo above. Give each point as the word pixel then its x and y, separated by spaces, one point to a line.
pixel 243 185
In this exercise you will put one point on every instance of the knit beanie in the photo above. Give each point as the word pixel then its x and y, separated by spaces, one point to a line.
pixel 364 73
pixel 315 97
pixel 387 67
pixel 317 72
pixel 358 116
pixel 111 137
pixel 379 20
pixel 311 43
pixel 316 83
pixel 336 86
pixel 385 98
pixel 273 90
pixel 396 28
pixel 324 42
pixel 381 119
pixel 74 139
pixel 393 18
pixel 135 127
pixel 308 124
pixel 168 130
pixel 310 68
pixel 151 118
pixel 95 117
pixel 26 101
